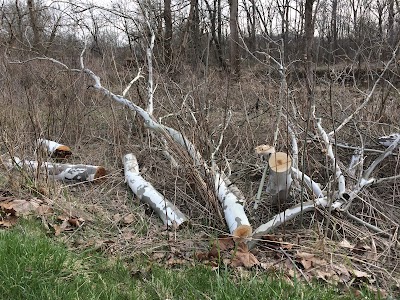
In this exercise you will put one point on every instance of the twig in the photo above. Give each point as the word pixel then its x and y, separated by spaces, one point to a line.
pixel 137 77
pixel 221 137
pixel 260 187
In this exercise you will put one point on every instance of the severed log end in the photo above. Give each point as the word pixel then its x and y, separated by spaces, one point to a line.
pixel 242 232
pixel 264 150
pixel 100 172
pixel 54 149
pixel 280 162
pixel 62 152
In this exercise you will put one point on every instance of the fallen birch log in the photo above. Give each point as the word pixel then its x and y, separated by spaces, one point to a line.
pixel 63 172
pixel 167 211
pixel 280 177
pixel 232 204
pixel 53 149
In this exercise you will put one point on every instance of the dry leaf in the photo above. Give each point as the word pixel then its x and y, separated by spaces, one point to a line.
pixel 128 219
pixel 62 218
pixel 361 248
pixel 360 274
pixel 243 257
pixel 116 218
pixel 65 225
pixel 265 149
pixel 43 210
pixel 9 221
pixel 74 221
pixel 346 244
pixel 307 264
pixel 221 244
pixel 324 275
pixel 201 256
pixel 275 242
pixel 246 259
pixel 342 272
pixel 304 255
pixel 175 261
pixel 20 207
pixel 158 255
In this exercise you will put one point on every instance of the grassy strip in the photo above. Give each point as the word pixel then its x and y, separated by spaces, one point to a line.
pixel 33 266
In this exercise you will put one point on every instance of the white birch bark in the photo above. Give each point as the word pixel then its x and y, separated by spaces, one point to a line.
pixel 285 216
pixel 63 172
pixel 311 184
pixel 232 205
pixel 280 178
pixel 167 211
pixel 329 149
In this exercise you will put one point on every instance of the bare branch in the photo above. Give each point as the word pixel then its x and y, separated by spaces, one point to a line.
pixel 137 77
pixel 338 173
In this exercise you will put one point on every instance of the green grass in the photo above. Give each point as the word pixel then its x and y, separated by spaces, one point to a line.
pixel 33 266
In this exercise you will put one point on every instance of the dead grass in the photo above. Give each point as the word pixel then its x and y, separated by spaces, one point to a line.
pixel 37 99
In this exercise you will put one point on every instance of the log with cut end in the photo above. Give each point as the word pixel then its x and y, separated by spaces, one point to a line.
pixel 232 205
pixel 53 149
pixel 280 177
pixel 63 172
pixel 167 211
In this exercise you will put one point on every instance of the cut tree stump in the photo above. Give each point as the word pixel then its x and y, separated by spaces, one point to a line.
pixel 280 177
pixel 166 210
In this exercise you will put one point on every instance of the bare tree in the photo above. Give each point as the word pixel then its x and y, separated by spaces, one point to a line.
pixel 234 38
pixel 33 19
pixel 168 32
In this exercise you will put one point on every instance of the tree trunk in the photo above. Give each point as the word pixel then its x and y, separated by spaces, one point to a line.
pixel 215 33
pixel 34 24
pixel 234 40
pixel 168 32
pixel 279 177
pixel 391 23
pixel 334 32
pixel 308 53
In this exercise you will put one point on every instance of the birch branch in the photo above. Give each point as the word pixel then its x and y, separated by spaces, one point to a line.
pixel 338 173
pixel 312 185
pixel 167 211
pixel 381 157
pixel 149 55
pixel 295 149
pixel 284 217
pixel 137 77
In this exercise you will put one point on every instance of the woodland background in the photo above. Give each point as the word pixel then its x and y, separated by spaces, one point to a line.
pixel 212 60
